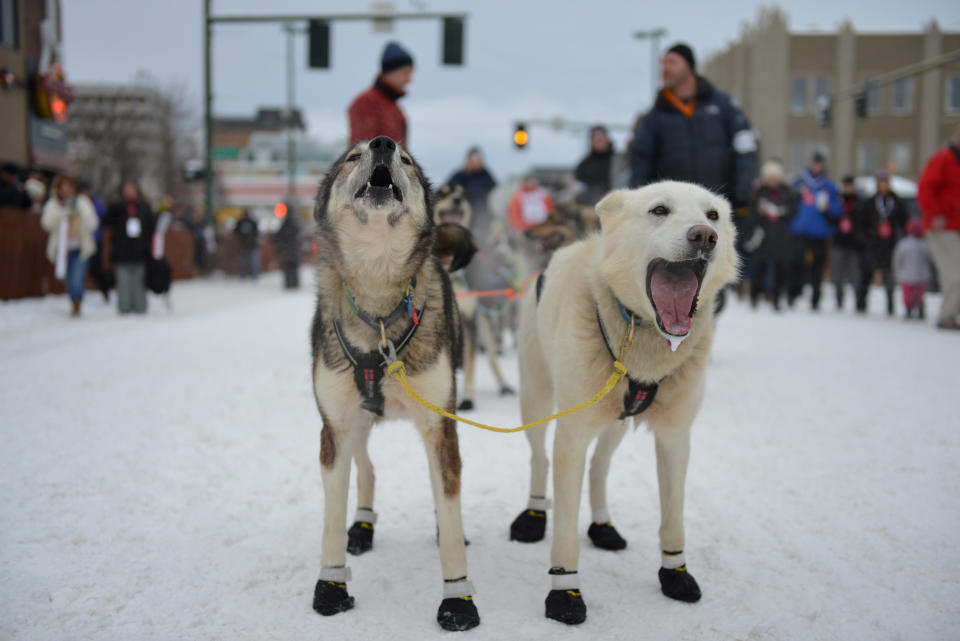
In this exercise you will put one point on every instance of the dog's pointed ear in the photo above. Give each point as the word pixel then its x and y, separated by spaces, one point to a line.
pixel 612 205
pixel 454 246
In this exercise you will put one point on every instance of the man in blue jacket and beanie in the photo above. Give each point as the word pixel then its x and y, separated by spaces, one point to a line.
pixel 694 132
pixel 818 200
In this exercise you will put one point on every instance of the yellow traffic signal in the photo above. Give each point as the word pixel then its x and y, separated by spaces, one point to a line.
pixel 520 136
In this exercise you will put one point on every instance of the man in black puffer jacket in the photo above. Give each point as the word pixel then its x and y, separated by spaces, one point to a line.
pixel 694 133
pixel 697 134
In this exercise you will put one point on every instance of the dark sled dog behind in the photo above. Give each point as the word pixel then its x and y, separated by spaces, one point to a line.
pixel 381 294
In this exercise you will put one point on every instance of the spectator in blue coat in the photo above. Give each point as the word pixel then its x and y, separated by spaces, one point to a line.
pixel 818 203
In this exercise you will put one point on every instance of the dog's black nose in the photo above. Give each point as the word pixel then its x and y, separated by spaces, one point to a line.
pixel 383 142
pixel 703 237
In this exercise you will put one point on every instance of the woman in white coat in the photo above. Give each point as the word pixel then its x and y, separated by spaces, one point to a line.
pixel 71 220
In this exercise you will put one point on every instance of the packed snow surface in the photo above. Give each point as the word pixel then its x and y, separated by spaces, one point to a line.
pixel 161 481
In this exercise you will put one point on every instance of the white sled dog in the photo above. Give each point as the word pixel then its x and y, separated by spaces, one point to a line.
pixel 378 280
pixel 639 291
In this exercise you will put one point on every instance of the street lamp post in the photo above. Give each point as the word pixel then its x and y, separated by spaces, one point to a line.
pixel 654 36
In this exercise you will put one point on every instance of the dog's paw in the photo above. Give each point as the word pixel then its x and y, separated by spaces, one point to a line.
pixel 529 527
pixel 506 390
pixel 679 584
pixel 360 538
pixel 465 405
pixel 330 597
pixel 457 614
pixel 566 606
pixel 606 537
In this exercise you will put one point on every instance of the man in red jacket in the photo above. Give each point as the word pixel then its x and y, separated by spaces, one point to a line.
pixel 375 111
pixel 938 195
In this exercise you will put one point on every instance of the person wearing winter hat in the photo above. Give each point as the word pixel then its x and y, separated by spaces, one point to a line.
pixel 884 217
pixel 375 111
pixel 691 119
pixel 913 267
pixel 938 194
pixel 696 133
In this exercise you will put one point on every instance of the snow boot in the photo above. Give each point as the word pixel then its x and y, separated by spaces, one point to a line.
pixel 529 527
pixel 506 390
pixel 605 536
pixel 566 606
pixel 457 614
pixel 360 538
pixel 330 597
pixel 679 584
pixel 465 405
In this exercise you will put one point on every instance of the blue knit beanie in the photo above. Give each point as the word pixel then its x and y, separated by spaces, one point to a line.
pixel 394 57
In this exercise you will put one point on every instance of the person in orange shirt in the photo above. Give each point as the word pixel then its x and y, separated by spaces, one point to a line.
pixel 529 206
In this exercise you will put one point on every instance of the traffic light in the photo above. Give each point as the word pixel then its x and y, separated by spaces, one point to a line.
pixel 319 54
pixel 452 41
pixel 860 104
pixel 280 210
pixel 520 136
pixel 824 105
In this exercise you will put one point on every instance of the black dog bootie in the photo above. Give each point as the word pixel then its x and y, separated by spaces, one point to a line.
pixel 457 614
pixel 529 527
pixel 330 597
pixel 605 536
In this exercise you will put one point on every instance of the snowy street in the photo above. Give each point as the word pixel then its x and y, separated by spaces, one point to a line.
pixel 161 481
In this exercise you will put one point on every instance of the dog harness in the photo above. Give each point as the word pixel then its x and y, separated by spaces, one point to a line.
pixel 639 395
pixel 368 367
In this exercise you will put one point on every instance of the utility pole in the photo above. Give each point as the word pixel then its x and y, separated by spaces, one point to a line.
pixel 291 155
pixel 654 36
pixel 208 214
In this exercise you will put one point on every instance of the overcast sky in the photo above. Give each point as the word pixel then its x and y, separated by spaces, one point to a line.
pixel 523 60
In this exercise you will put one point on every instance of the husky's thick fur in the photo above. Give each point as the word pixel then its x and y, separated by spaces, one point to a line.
pixel 376 235
pixel 662 254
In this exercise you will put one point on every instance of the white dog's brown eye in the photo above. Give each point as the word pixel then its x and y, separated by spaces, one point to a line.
pixel 659 210
pixel 713 215
pixel 405 160
pixel 353 157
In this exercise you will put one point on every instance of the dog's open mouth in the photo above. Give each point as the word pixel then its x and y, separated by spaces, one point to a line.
pixel 451 215
pixel 380 185
pixel 673 289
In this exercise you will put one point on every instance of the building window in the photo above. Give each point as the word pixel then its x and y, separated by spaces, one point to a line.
pixel 9 24
pixel 901 98
pixel 821 86
pixel 873 95
pixel 953 93
pixel 901 158
pixel 798 95
pixel 868 157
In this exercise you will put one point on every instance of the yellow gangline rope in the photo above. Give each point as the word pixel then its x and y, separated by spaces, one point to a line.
pixel 397 370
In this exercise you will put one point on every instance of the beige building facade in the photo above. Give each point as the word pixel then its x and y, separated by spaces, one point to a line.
pixel 777 76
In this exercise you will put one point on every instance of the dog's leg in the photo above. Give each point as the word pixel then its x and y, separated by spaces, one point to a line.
pixel 601 531
pixel 486 335
pixel 457 610
pixel 336 445
pixel 360 536
pixel 536 401
pixel 469 362
pixel 673 453
pixel 564 602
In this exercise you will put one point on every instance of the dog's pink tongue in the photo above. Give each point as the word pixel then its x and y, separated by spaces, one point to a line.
pixel 673 291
